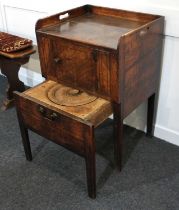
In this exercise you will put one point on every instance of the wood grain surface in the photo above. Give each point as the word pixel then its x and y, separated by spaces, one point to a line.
pixel 94 112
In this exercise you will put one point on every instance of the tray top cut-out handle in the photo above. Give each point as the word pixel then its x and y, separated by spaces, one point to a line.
pixel 143 32
pixel 63 16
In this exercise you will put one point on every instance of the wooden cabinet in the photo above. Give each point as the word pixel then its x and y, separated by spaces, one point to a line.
pixel 112 54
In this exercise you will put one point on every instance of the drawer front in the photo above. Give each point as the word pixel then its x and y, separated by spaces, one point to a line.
pixel 53 125
pixel 75 64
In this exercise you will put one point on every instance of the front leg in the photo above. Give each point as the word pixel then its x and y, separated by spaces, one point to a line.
pixel 90 158
pixel 118 134
pixel 25 140
pixel 150 115
pixel 24 132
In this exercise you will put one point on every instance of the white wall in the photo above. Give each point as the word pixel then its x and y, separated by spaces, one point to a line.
pixel 167 125
pixel 1 22
pixel 19 17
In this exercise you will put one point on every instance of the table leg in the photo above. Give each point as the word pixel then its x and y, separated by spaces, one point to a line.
pixel 91 164
pixel 150 115
pixel 118 134
pixel 24 132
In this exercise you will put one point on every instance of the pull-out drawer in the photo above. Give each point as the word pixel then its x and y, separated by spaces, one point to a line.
pixel 67 126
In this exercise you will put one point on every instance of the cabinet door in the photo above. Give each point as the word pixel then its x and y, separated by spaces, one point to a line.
pixel 75 64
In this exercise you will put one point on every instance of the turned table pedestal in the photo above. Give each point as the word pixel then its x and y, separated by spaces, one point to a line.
pixel 10 64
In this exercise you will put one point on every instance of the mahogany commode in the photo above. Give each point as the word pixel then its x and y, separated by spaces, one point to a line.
pixel 112 54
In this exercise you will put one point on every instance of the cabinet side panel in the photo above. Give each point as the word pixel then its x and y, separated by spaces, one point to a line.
pixel 142 63
pixel 140 82
pixel 139 43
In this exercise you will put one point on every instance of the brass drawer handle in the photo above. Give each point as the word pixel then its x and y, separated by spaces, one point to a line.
pixel 143 32
pixel 62 16
pixel 41 110
pixel 52 116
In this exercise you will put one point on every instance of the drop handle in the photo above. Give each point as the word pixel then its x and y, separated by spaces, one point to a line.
pixel 41 110
pixel 53 116
pixel 57 60
pixel 143 32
